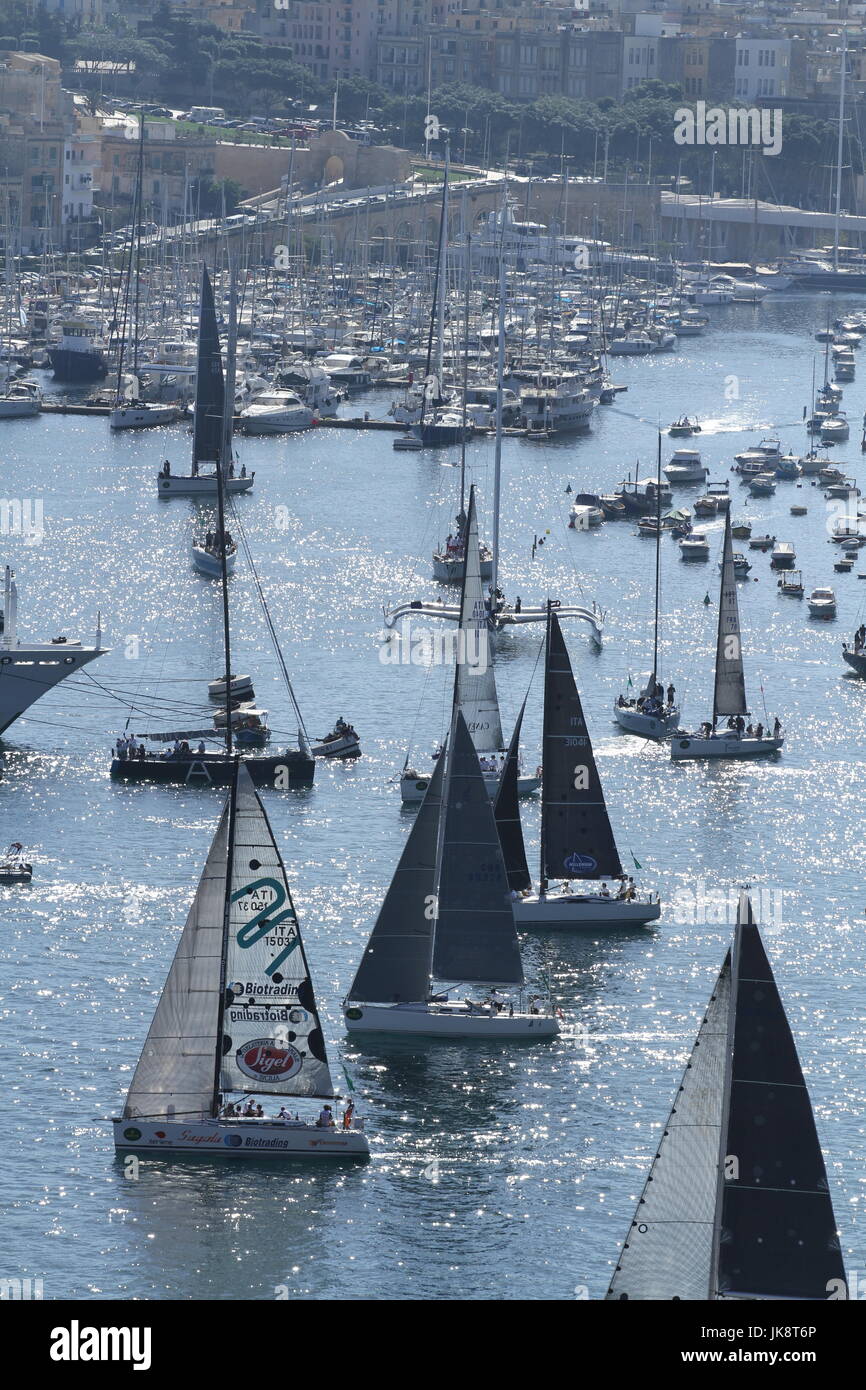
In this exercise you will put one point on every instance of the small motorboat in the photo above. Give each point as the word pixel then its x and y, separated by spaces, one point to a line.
pixel 799 511
pixel 741 530
pixel 14 868
pixel 249 725
pixel 845 565
pixel 241 688
pixel 342 742
pixel 834 430
pixel 762 542
pixel 685 466
pixel 741 564
pixel 694 547
pixel 783 556
pixel 720 494
pixel 791 584
pixel 822 603
pixel 762 485
pixel 405 442
pixel 206 556
pixel 705 506
pixel 683 427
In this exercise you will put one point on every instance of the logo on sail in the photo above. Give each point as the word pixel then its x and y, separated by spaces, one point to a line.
pixel 580 863
pixel 264 1059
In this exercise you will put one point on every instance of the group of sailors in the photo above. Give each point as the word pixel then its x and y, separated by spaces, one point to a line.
pixel 626 892
pixel 129 749
pixel 165 471
pixel 211 542
pixel 860 638
pixel 252 1110
pixel 737 724
pixel 652 701
pixel 340 730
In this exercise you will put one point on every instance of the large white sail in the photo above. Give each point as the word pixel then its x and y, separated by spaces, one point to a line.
pixel 668 1251
pixel 271 1035
pixel 176 1071
pixel 730 689
pixel 475 689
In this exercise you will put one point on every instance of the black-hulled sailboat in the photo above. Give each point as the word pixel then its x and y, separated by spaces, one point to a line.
pixel 237 1016
pixel 447 922
pixel 734 739
pixel 179 761
pixel 737 1204
pixel 577 839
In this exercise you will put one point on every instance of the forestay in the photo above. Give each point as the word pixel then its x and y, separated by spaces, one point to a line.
pixel 475 686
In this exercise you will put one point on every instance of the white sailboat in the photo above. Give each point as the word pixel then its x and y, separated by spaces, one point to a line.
pixel 475 681
pixel 447 917
pixel 737 1204
pixel 577 839
pixel 734 739
pixel 237 1015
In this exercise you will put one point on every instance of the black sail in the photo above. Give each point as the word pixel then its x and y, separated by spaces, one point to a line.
pixel 576 834
pixel 506 811
pixel 777 1235
pixel 395 967
pixel 209 385
pixel 474 937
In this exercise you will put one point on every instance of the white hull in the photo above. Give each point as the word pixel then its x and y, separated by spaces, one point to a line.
pixel 561 911
pixel 205 486
pixel 451 571
pixel 412 789
pixel 634 721
pixel 280 422
pixel 447 1021
pixel 13 408
pixel 680 473
pixel 347 747
pixel 241 686
pixel 211 565
pixel 238 1139
pixel 28 670
pixel 141 417
pixel 726 744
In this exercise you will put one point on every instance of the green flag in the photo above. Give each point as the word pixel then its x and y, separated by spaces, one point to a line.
pixel 636 864
pixel 349 1081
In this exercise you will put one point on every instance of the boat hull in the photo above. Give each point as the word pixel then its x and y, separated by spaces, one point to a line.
pixel 12 408
pixel 419 1020
pixel 199 487
pixel 239 1139
pixel 41 668
pixel 348 747
pixel 292 771
pixel 451 571
pixel 412 789
pixel 132 417
pixel 646 725
pixel 210 565
pixel 561 912
pixel 724 745
pixel 856 660
pixel 77 366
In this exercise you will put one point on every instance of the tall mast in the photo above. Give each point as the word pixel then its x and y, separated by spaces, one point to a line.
pixel 225 454
pixel 658 562
pixel 465 373
pixel 227 905
pixel 836 219
pixel 497 456
pixel 541 836
pixel 140 205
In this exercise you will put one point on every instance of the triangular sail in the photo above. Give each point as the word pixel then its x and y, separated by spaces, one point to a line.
pixel 176 1070
pixel 207 440
pixel 729 696
pixel 474 937
pixel 777 1228
pixel 669 1248
pixel 395 966
pixel 506 811
pixel 577 838
pixel 475 686
pixel 271 1035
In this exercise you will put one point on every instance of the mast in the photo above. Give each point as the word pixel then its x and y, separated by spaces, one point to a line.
pixel 221 470
pixel 497 455
pixel 729 689
pixel 658 563
pixel 465 374
pixel 840 140
pixel 227 907
pixel 140 202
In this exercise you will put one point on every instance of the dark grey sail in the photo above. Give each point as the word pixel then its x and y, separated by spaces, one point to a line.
pixel 506 812
pixel 777 1232
pixel 729 692
pixel 474 937
pixel 576 834
pixel 208 427
pixel 395 967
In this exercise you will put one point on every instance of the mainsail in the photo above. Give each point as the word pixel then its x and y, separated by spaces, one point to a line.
pixel 474 937
pixel 175 1073
pixel 669 1248
pixel 395 967
pixel 778 1234
pixel 475 684
pixel 577 839
pixel 506 811
pixel 729 696
pixel 207 444
pixel 271 1037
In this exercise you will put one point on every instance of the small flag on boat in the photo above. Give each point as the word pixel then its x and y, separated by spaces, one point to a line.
pixel 636 863
pixel 630 683
pixel 349 1081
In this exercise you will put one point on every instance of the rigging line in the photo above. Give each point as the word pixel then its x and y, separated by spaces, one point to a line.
pixel 269 621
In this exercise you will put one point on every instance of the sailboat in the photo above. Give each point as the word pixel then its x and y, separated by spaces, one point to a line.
pixel 729 691
pixel 237 1015
pixel 129 412
pixel 447 916
pixel 650 714
pixel 475 683
pixel 577 839
pixel 209 425
pixel 737 1203
pixel 287 771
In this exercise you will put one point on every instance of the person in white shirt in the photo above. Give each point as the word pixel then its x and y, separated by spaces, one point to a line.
pixel 326 1119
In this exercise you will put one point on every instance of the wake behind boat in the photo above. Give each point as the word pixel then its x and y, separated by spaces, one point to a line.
pixel 237 1016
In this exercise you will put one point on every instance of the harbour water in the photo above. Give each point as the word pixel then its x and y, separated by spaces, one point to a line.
pixel 496 1172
